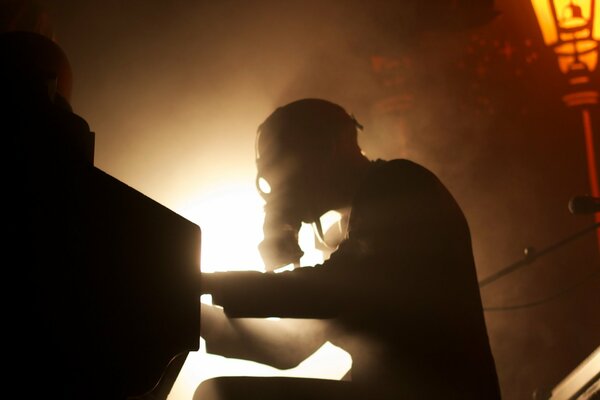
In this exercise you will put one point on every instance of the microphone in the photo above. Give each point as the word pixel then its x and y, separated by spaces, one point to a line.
pixel 584 205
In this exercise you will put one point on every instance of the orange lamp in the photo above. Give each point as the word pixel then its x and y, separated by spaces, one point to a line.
pixel 572 29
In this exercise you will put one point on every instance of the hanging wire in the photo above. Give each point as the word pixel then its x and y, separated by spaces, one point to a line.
pixel 547 299
pixel 531 255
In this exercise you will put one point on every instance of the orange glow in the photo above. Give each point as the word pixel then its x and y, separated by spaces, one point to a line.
pixel 545 16
pixel 579 79
pixel 592 171
pixel 581 98
pixel 596 24
pixel 572 28
pixel 587 125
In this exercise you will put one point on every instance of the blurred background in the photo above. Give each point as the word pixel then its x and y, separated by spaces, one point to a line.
pixel 174 92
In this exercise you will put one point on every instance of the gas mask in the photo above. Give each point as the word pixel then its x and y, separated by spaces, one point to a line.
pixel 293 149
pixel 280 228
pixel 285 207
pixel 285 212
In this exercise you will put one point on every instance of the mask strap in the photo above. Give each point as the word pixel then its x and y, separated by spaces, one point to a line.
pixel 318 229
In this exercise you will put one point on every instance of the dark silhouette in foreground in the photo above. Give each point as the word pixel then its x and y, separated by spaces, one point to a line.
pixel 399 293
pixel 101 301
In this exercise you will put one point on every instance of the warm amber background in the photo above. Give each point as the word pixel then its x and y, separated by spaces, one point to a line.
pixel 174 91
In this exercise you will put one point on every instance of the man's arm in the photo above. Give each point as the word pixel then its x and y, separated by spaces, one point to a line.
pixel 280 343
pixel 307 292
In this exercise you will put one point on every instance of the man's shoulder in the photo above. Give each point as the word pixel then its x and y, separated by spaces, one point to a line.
pixel 401 167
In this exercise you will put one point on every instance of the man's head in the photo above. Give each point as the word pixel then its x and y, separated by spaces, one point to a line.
pixel 34 65
pixel 300 149
pixel 305 152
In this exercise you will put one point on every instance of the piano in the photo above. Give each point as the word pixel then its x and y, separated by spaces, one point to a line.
pixel 100 281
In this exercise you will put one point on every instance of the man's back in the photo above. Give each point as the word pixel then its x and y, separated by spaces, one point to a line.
pixel 417 298
pixel 401 289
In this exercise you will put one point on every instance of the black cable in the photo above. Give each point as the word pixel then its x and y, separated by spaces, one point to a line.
pixel 532 255
pixel 546 299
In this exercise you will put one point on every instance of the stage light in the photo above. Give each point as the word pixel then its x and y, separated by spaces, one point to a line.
pixel 572 29
pixel 231 217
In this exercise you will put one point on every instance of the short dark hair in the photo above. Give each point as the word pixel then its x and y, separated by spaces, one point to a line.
pixel 309 126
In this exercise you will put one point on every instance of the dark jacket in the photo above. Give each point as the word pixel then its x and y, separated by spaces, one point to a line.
pixel 401 289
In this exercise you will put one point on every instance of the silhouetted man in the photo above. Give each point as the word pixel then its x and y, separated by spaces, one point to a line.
pixel 401 289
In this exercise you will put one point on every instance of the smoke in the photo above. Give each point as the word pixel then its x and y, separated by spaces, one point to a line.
pixel 174 92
